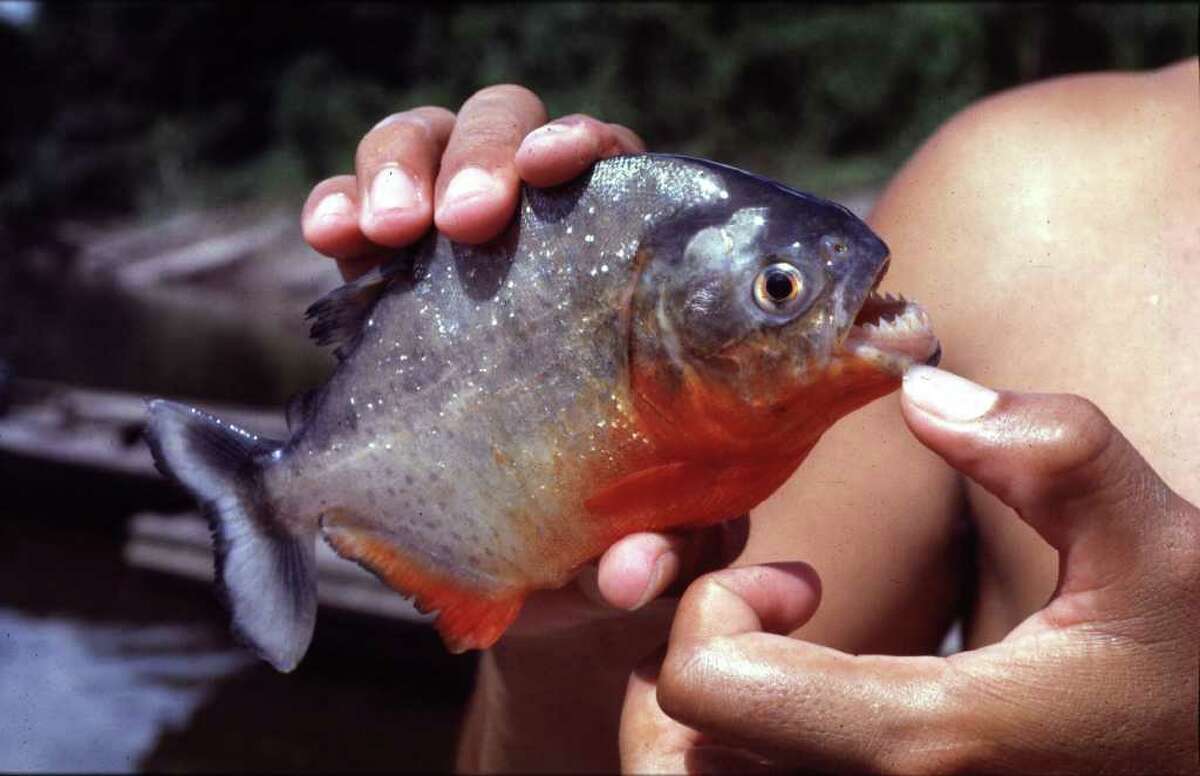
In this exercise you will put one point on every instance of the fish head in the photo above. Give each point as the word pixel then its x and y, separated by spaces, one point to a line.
pixel 756 325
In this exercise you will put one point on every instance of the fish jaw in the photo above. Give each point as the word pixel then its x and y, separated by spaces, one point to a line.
pixel 889 334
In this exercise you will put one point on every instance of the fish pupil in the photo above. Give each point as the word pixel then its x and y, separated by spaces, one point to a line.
pixel 780 286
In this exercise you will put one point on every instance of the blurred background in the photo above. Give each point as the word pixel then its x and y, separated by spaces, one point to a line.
pixel 152 168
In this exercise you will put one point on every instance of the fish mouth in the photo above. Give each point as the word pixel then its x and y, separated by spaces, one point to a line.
pixel 892 334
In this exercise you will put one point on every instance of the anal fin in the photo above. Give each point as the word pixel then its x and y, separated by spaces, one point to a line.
pixel 467 617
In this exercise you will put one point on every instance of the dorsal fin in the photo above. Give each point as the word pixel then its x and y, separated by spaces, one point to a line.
pixel 337 318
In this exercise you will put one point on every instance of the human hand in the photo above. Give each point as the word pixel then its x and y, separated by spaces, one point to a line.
pixel 426 166
pixel 635 571
pixel 1104 678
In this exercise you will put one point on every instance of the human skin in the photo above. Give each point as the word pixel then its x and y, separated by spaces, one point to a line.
pixel 1101 679
pixel 1042 210
pixel 1053 232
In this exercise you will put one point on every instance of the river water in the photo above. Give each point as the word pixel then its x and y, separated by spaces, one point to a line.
pixel 105 667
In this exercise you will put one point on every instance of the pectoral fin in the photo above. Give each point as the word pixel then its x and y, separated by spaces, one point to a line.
pixel 685 493
pixel 467 617
pixel 656 498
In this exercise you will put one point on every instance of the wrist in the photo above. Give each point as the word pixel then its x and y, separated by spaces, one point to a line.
pixel 554 702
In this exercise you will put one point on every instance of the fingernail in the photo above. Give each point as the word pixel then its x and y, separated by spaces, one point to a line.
pixel 651 591
pixel 392 189
pixel 469 183
pixel 947 395
pixel 336 205
pixel 553 132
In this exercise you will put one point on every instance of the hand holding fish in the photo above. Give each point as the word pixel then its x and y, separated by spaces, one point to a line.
pixel 1103 678
pixel 426 166
pixel 406 164
pixel 503 130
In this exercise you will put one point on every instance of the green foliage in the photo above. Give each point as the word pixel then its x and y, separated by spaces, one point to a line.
pixel 150 107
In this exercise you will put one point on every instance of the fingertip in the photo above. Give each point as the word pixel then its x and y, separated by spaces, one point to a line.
pixel 329 222
pixel 340 242
pixel 945 395
pixel 627 141
pixel 396 208
pixel 557 152
pixel 776 598
pixel 638 569
pixel 943 411
pixel 396 228
pixel 785 595
pixel 476 204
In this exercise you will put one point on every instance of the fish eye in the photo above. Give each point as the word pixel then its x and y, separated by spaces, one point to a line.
pixel 777 287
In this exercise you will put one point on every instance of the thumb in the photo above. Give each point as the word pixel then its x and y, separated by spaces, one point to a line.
pixel 1062 465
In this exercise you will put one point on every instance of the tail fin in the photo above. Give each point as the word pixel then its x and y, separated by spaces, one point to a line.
pixel 265 573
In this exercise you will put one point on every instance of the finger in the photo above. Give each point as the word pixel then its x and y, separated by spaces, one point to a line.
pixel 397 163
pixel 776 598
pixel 329 219
pixel 650 741
pixel 638 568
pixel 478 184
pixel 786 699
pixel 628 141
pixel 1063 466
pixel 641 567
pixel 562 149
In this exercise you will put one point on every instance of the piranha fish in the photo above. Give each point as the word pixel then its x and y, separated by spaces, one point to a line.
pixel 653 346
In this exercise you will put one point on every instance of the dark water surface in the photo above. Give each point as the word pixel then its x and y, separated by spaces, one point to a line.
pixel 108 667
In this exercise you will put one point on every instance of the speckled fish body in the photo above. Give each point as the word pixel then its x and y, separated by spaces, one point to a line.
pixel 658 344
